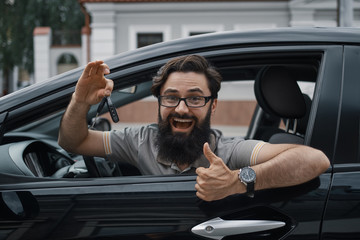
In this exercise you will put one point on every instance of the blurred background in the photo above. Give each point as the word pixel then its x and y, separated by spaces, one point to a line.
pixel 42 38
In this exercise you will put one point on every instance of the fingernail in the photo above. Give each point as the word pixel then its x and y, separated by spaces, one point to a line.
pixel 107 71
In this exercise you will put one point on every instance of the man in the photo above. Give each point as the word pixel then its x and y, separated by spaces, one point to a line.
pixel 182 141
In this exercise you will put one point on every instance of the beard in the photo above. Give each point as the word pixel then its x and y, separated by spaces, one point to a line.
pixel 182 148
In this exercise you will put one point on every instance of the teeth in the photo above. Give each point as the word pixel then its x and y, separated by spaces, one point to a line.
pixel 182 120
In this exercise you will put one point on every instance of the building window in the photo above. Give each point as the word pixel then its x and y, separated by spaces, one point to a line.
pixel 143 35
pixel 145 39
pixel 66 62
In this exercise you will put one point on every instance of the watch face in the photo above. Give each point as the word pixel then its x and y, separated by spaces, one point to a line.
pixel 247 175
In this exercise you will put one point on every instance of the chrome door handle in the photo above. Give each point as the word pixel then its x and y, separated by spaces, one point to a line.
pixel 218 228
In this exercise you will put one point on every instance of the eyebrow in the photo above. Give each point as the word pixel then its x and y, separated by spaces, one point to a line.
pixel 171 90
pixel 195 90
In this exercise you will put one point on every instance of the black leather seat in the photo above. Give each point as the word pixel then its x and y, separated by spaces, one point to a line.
pixel 278 94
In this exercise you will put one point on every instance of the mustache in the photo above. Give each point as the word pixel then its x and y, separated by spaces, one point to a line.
pixel 183 116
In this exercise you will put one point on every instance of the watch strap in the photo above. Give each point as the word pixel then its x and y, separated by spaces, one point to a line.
pixel 250 189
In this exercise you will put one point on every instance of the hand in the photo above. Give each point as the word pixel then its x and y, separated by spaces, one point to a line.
pixel 92 85
pixel 217 181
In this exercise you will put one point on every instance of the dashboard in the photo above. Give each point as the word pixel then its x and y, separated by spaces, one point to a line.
pixel 34 158
pixel 39 155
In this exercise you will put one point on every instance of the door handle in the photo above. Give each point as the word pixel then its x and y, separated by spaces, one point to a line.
pixel 218 228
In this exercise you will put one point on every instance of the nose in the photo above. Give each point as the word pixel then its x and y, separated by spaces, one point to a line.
pixel 182 107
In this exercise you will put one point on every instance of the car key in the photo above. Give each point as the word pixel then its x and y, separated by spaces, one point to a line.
pixel 112 110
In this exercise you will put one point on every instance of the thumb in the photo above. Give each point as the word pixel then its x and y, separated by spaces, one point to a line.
pixel 209 154
pixel 109 87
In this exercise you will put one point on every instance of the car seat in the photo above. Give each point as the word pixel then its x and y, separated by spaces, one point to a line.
pixel 278 94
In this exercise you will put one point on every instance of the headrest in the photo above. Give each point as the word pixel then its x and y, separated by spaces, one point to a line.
pixel 303 122
pixel 278 93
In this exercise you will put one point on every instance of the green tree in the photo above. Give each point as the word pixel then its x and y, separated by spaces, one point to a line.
pixel 18 18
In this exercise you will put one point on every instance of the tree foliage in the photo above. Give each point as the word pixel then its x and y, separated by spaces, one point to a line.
pixel 18 18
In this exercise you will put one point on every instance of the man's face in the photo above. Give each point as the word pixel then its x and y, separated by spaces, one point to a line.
pixel 189 84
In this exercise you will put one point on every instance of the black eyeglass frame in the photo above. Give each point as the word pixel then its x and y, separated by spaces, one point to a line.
pixel 207 99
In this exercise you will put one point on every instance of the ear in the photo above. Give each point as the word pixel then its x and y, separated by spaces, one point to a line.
pixel 213 106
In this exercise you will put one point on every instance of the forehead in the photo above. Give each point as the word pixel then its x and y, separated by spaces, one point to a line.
pixel 184 82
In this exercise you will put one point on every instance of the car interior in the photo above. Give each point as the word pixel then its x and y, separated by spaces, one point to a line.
pixel 281 115
pixel 279 95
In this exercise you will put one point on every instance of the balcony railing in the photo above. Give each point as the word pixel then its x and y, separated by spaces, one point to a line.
pixel 66 37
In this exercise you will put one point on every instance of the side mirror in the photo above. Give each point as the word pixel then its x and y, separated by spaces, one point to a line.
pixel 101 124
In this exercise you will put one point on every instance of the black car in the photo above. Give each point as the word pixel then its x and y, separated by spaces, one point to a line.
pixel 48 193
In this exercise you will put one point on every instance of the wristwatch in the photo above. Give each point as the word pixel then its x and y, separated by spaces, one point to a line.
pixel 247 176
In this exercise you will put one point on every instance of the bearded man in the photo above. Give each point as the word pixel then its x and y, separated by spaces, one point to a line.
pixel 183 142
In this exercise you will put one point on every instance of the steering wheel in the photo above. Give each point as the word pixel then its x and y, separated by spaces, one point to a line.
pixel 100 167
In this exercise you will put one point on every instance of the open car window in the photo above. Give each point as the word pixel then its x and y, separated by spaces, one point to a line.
pixel 238 112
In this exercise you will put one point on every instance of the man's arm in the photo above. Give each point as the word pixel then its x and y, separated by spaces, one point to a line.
pixel 279 165
pixel 91 87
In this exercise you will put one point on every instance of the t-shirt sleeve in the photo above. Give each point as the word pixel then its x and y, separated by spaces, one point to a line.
pixel 122 145
pixel 244 153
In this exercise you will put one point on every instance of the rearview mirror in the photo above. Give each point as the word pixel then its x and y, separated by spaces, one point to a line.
pixel 100 124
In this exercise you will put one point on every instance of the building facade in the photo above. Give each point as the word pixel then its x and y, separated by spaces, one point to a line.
pixel 122 25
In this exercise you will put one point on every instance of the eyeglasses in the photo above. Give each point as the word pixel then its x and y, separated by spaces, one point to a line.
pixel 193 102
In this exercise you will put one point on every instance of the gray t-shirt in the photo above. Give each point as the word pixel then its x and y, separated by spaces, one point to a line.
pixel 137 147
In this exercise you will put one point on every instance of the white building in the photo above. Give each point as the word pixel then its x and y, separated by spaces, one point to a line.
pixel 121 25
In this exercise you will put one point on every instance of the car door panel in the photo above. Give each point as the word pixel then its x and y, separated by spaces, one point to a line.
pixel 341 220
pixel 128 211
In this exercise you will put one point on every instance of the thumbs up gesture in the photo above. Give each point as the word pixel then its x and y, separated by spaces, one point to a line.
pixel 217 181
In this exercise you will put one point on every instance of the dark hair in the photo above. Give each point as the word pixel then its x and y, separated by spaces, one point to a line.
pixel 190 63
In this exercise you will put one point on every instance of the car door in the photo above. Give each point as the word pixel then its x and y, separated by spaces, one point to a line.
pixel 166 207
pixel 342 216
pixel 156 207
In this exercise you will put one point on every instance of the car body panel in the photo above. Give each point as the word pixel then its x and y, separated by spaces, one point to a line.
pixel 341 218
pixel 131 207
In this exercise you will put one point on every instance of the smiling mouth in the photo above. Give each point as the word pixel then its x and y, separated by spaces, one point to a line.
pixel 181 123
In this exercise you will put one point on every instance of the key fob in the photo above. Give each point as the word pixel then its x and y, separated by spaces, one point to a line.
pixel 112 110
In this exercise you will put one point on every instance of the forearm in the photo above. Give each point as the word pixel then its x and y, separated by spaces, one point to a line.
pixel 73 126
pixel 279 165
pixel 294 166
